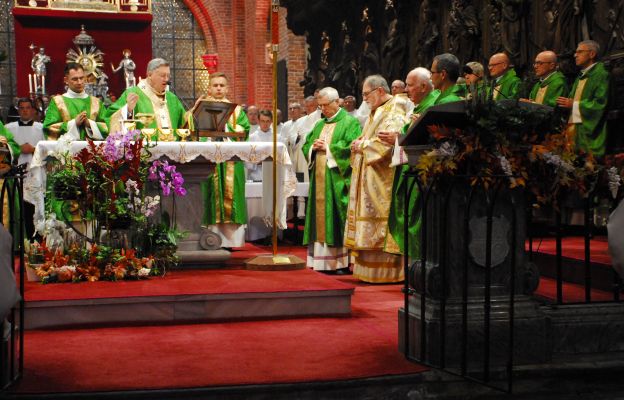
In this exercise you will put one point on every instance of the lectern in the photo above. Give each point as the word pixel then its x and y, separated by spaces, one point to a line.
pixel 211 117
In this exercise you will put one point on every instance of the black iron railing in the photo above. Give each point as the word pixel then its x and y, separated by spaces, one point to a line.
pixel 458 277
pixel 12 349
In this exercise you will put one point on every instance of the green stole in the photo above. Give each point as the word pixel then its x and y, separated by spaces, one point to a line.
pixel 449 95
pixel 507 87
pixel 326 211
pixel 224 191
pixel 144 105
pixel 546 92
pixel 395 240
pixel 591 90
pixel 63 109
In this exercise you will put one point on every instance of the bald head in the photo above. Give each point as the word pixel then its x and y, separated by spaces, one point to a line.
pixel 498 65
pixel 545 63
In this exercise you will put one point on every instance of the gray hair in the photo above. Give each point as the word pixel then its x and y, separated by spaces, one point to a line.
pixel 423 75
pixel 476 68
pixel 329 93
pixel 156 63
pixel 377 81
pixel 449 63
pixel 309 98
pixel 592 44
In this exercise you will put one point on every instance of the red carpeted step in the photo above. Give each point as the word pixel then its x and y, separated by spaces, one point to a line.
pixel 217 354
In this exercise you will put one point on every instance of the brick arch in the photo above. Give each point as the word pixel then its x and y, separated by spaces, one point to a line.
pixel 214 34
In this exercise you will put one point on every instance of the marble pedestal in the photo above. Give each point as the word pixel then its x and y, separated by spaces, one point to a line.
pixel 199 246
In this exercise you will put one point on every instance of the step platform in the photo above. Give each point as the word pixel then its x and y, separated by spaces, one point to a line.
pixel 187 296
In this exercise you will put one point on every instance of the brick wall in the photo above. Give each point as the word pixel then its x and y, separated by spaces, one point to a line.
pixel 238 31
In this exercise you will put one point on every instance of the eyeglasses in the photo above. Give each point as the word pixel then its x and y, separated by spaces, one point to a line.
pixel 325 104
pixel 581 51
pixel 294 108
pixel 366 93
pixel 495 64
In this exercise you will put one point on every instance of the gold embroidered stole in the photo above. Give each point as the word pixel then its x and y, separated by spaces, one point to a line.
pixel 319 175
pixel 161 112
pixel 539 97
pixel 578 93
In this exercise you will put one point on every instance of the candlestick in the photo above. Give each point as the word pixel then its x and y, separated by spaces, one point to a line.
pixel 35 82
pixel 43 84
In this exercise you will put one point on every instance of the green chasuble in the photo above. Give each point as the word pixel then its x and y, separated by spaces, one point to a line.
pixel 507 86
pixel 224 191
pixel 63 109
pixel 448 96
pixel 395 242
pixel 15 150
pixel 326 211
pixel 14 147
pixel 168 113
pixel 546 91
pixel 590 92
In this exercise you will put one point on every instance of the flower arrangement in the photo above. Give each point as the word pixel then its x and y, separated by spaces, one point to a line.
pixel 527 146
pixel 116 191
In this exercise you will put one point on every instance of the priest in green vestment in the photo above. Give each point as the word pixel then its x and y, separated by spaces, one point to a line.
pixel 75 113
pixel 588 100
pixel 150 96
pixel 444 74
pixel 7 138
pixel 552 83
pixel 506 83
pixel 371 178
pixel 422 93
pixel 328 150
pixel 225 207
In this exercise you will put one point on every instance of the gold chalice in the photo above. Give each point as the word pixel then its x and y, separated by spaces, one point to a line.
pixel 184 133
pixel 129 125
pixel 148 133
pixel 144 118
pixel 166 135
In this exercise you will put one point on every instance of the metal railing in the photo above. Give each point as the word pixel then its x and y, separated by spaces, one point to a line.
pixel 12 350
pixel 438 203
pixel 587 230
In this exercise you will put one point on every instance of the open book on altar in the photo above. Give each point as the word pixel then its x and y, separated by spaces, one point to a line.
pixel 211 118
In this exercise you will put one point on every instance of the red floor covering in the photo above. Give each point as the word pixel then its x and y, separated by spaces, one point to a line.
pixel 217 354
pixel 574 247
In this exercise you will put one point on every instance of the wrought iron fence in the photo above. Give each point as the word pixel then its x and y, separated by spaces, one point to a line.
pixel 12 344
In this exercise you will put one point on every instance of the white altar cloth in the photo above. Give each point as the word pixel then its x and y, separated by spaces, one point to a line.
pixel 179 152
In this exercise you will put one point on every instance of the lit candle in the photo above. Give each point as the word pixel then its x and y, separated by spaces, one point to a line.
pixel 35 82
pixel 42 84
pixel 30 85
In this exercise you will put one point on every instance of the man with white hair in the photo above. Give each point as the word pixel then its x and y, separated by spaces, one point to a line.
pixel 397 87
pixel 588 100
pixel 422 93
pixel 327 148
pixel 369 197
pixel 150 96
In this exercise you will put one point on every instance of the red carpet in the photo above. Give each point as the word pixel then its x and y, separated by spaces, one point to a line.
pixel 572 293
pixel 574 247
pixel 187 282
pixel 258 352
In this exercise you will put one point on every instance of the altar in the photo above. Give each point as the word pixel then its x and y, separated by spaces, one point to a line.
pixel 195 160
